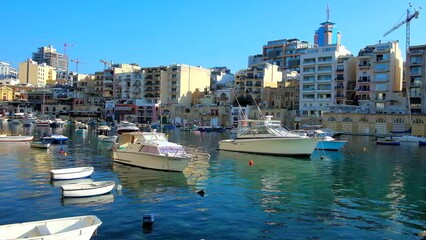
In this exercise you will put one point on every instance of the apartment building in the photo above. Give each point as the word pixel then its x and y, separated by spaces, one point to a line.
pixel 250 83
pixel 108 78
pixel 318 79
pixel 417 79
pixel 285 53
pixel 49 56
pixel 379 79
pixel 36 74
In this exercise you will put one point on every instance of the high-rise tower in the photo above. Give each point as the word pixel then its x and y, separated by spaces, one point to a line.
pixel 327 34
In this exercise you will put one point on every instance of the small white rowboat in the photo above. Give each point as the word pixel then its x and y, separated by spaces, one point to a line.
pixel 44 145
pixel 87 190
pixel 81 228
pixel 71 173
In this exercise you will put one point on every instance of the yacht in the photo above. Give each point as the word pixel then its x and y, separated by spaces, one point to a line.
pixel 150 150
pixel 269 137
pixel 126 126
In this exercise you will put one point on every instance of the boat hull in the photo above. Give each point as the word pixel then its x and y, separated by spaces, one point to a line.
pixel 75 228
pixel 16 138
pixel 71 173
pixel 44 145
pixel 164 163
pixel 87 190
pixel 333 145
pixel 271 146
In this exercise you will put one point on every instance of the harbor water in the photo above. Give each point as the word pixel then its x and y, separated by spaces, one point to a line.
pixel 364 191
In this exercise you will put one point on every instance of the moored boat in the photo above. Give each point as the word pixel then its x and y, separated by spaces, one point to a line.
pixel 87 190
pixel 71 173
pixel 70 228
pixel 111 139
pixel 150 150
pixel 422 143
pixel 268 137
pixel 330 144
pixel 126 126
pixel 388 141
pixel 54 138
pixel 8 138
pixel 40 144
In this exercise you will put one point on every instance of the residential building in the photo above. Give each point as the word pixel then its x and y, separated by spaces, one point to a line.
pixel 379 79
pixel 319 86
pixel 8 74
pixel 250 83
pixel 326 33
pixel 285 53
pixel 182 81
pixel 52 58
pixel 417 79
pixel 108 80
pixel 221 77
pixel 36 74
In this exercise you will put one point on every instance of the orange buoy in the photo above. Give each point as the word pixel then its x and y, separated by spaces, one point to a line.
pixel 251 163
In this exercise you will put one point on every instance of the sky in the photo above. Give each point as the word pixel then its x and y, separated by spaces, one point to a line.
pixel 205 33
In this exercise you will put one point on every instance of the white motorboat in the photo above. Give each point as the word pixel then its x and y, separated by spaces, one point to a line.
pixel 40 144
pixel 409 138
pixel 70 228
pixel 71 173
pixel 43 122
pixel 150 150
pixel 268 137
pixel 87 189
pixel 110 139
pixel 126 126
pixel 7 138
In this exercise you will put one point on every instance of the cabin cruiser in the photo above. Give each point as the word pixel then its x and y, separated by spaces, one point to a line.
pixel 269 137
pixel 126 126
pixel 150 150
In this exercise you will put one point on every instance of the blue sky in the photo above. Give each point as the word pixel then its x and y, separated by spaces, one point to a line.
pixel 205 33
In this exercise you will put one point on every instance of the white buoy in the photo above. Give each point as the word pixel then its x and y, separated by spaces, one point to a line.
pixel 119 187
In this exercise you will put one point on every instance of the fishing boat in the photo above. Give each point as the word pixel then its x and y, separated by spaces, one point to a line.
pixel 70 228
pixel 71 173
pixel 150 150
pixel 54 138
pixel 8 138
pixel 87 189
pixel 40 144
pixel 268 137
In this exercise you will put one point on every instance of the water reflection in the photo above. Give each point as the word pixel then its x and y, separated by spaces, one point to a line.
pixel 89 201
pixel 59 183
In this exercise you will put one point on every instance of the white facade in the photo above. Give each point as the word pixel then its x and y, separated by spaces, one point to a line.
pixel 318 79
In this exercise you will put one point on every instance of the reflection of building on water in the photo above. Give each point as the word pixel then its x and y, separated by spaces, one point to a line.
pixel 89 201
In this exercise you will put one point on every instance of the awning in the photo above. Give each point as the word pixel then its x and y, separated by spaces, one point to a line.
pixel 123 109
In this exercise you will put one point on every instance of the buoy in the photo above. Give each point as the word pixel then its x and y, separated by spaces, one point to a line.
pixel 201 193
pixel 364 149
pixel 148 220
pixel 65 154
pixel 251 163
pixel 119 187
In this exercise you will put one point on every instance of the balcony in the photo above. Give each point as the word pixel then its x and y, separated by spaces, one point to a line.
pixel 363 65
pixel 364 79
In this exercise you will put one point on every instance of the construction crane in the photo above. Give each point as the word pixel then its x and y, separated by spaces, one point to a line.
pixel 76 63
pixel 106 63
pixel 65 47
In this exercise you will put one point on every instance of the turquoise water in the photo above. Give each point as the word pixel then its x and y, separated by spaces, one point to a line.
pixel 362 192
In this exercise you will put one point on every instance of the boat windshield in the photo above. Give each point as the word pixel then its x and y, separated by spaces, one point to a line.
pixel 250 128
pixel 172 150
pixel 155 137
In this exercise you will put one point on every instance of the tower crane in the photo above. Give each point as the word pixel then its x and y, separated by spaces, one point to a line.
pixel 65 47
pixel 410 16
pixel 76 63
pixel 106 63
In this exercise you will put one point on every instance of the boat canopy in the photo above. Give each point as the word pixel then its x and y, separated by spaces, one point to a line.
pixel 248 128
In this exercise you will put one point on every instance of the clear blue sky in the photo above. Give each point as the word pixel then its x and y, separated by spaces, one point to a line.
pixel 206 33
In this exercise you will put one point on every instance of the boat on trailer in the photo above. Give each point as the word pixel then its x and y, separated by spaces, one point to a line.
pixel 70 228
pixel 71 173
pixel 87 189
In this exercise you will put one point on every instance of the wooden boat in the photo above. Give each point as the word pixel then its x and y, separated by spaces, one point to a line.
pixel 71 173
pixel 87 190
pixel 40 144
pixel 80 227
pixel 6 138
